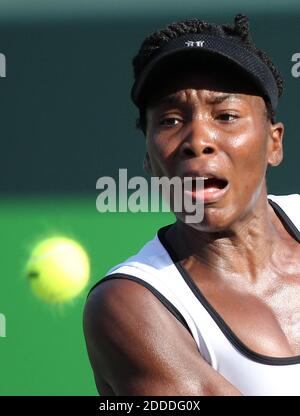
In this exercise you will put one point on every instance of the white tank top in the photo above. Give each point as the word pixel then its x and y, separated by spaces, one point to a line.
pixel 156 268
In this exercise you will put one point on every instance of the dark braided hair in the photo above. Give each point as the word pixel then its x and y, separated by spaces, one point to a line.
pixel 239 31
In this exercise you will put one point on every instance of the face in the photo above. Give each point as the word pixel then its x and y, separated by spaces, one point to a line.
pixel 199 126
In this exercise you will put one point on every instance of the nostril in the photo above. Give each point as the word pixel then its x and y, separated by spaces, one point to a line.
pixel 208 150
pixel 188 152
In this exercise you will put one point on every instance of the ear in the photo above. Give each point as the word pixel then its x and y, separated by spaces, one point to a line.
pixel 275 148
pixel 147 164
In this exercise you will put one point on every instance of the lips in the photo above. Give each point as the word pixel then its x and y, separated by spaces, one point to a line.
pixel 214 186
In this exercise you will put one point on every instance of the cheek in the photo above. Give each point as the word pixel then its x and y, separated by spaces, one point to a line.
pixel 248 152
pixel 161 151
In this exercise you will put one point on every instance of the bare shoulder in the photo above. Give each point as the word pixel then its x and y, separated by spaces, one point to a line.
pixel 137 347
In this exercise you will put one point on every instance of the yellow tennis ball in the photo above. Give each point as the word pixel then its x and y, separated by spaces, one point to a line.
pixel 58 269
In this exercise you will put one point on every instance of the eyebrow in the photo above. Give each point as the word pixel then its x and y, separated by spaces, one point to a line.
pixel 171 100
pixel 218 99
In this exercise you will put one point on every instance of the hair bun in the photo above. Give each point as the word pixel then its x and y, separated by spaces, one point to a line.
pixel 241 23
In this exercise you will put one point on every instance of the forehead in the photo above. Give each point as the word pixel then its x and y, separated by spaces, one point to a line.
pixel 190 97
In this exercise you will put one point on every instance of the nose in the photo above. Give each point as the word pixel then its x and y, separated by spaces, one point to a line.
pixel 199 140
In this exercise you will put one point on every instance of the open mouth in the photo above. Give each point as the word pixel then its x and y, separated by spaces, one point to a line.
pixel 211 183
pixel 205 186
pixel 215 183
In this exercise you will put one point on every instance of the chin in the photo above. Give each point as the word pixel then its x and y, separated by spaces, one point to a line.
pixel 214 220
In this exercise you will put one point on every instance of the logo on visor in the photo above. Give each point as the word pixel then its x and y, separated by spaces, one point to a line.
pixel 191 43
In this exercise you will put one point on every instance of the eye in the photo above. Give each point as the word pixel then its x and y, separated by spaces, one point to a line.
pixel 170 121
pixel 227 116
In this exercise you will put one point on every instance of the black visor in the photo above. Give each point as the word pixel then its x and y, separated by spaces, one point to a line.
pixel 230 49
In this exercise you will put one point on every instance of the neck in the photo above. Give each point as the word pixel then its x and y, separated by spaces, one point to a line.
pixel 245 249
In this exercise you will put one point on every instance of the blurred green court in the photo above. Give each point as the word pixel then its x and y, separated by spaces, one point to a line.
pixel 44 350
